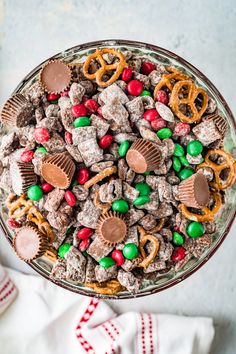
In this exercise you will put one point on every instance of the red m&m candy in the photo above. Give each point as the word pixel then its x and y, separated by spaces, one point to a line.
pixel 53 96
pixel 84 245
pixel 105 141
pixel 135 87
pixel 41 135
pixel 99 110
pixel 65 93
pixel 82 175
pixel 127 74
pixel 151 114
pixel 147 67
pixel 178 254
pixel 27 156
pixel 13 223
pixel 91 105
pixel 84 233
pixel 161 96
pixel 118 257
pixel 47 187
pixel 79 110
pixel 70 198
pixel 182 129
pixel 158 124
pixel 68 138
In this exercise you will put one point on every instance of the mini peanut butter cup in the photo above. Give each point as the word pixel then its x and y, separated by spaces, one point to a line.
pixel 220 123
pixel 58 170
pixel 143 156
pixel 29 243
pixel 17 111
pixel 194 191
pixel 55 76
pixel 111 228
pixel 22 176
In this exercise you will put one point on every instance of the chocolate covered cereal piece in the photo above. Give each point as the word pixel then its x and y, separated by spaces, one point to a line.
pixel 58 271
pixel 80 192
pixel 128 280
pixel 104 274
pixel 54 199
pixel 98 249
pixel 89 215
pixel 76 93
pixel 100 124
pixel 134 215
pixel 207 132
pixel 113 94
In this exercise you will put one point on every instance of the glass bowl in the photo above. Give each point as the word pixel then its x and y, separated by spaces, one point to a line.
pixel 224 219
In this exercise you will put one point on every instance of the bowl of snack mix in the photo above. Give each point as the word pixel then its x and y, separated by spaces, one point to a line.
pixel 117 169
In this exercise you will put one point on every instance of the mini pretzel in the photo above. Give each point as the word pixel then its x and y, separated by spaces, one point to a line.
pixel 230 164
pixel 192 93
pixel 144 238
pixel 100 176
pixel 37 218
pixel 99 205
pixel 51 254
pixel 208 214
pixel 18 207
pixel 104 67
pixel 168 80
pixel 110 287
pixel 158 227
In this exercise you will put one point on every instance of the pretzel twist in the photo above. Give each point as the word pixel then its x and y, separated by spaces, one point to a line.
pixel 144 238
pixel 104 67
pixel 37 218
pixel 99 205
pixel 100 176
pixel 51 254
pixel 229 163
pixel 192 93
pixel 109 287
pixel 168 80
pixel 208 214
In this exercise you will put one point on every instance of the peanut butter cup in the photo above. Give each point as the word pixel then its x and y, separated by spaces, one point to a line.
pixel 22 176
pixel 111 228
pixel 17 111
pixel 55 76
pixel 194 191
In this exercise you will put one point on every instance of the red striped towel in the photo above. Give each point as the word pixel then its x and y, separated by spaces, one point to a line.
pixel 8 290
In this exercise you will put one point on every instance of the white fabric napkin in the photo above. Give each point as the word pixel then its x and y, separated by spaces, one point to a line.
pixel 8 290
pixel 46 319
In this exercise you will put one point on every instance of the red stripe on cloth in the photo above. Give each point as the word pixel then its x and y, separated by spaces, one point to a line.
pixel 151 334
pixel 110 336
pixel 4 278
pixel 143 335
pixel 7 294
pixel 5 286
pixel 113 325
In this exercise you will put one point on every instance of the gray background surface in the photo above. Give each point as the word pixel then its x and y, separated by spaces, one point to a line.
pixel 203 32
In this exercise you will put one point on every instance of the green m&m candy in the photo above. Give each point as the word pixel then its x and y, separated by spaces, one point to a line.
pixel 178 239
pixel 143 188
pixel 143 199
pixel 121 206
pixel 147 173
pixel 164 133
pixel 130 251
pixel 123 148
pixel 42 150
pixel 82 122
pixel 63 249
pixel 74 183
pixel 183 161
pixel 106 262
pixel 145 93
pixel 179 150
pixel 54 102
pixel 195 229
pixel 176 164
pixel 194 148
pixel 35 192
pixel 185 173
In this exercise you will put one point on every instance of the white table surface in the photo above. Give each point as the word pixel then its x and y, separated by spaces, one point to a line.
pixel 203 32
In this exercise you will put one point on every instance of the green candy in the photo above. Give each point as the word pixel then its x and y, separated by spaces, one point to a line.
pixel 164 133
pixel 74 183
pixel 123 148
pixel 106 262
pixel 143 188
pixel 54 102
pixel 179 150
pixel 194 148
pixel 68 230
pixel 195 229
pixel 63 249
pixel 147 173
pixel 184 161
pixel 176 164
pixel 178 239
pixel 185 173
pixel 141 200
pixel 130 251
pixel 145 93
pixel 121 206
pixel 81 122
pixel 42 150
pixel 35 192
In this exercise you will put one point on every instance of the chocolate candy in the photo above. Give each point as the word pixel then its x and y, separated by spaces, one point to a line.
pixel 143 188
pixel 121 206
pixel 178 239
pixel 27 156
pixel 195 229
pixel 141 200
pixel 84 233
pixel 118 257
pixel 63 249
pixel 135 87
pixel 79 110
pixel 184 161
pixel 55 76
pixel 150 115
pixel 47 187
pixel 123 148
pixel 35 193
pixel 111 227
pixel 42 150
pixel 176 164
pixel 130 251
pixel 145 93
pixel 41 135
pixel 178 254
pixel 164 133
pixel 105 141
pixel 82 175
pixel 82 122
pixel 127 74
pixel 194 148
pixel 194 191
pixel 70 198
pixel 147 67
pixel 185 173
pixel 179 150
pixel 161 96
pixel 106 262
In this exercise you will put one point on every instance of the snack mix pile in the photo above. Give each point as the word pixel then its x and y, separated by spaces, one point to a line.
pixel 113 169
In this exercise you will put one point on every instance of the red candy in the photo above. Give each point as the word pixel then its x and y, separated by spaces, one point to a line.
pixel 118 257
pixel 79 110
pixel 182 129
pixel 135 87
pixel 70 198
pixel 127 74
pixel 158 124
pixel 65 94
pixel 47 187
pixel 178 254
pixel 91 105
pixel 41 135
pixel 13 223
pixel 84 245
pixel 162 97
pixel 84 233
pixel 99 110
pixel 105 141
pixel 83 175
pixel 147 67
pixel 27 156
pixel 177 229
pixel 151 114
pixel 53 97
pixel 68 138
